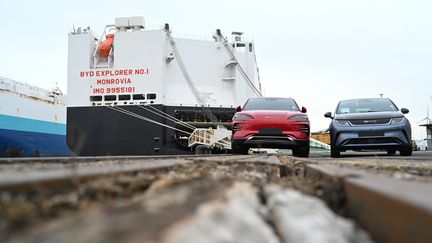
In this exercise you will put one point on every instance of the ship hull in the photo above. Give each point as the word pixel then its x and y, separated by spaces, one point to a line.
pixel 100 131
pixel 22 137
pixel 31 144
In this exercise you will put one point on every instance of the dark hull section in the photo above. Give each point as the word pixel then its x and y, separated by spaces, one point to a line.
pixel 15 143
pixel 98 130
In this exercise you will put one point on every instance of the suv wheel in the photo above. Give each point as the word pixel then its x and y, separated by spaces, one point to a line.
pixel 239 149
pixel 334 153
pixel 391 152
pixel 406 151
pixel 301 151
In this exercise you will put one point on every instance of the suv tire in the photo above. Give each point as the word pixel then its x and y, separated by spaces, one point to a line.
pixel 391 152
pixel 334 153
pixel 239 149
pixel 406 151
pixel 301 151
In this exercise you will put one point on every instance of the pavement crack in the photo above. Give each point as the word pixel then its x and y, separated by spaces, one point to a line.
pixel 264 213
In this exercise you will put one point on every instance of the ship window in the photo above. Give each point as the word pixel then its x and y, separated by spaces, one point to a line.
pixel 138 97
pixel 96 98
pixel 241 44
pixel 151 96
pixel 124 97
pixel 250 47
pixel 110 97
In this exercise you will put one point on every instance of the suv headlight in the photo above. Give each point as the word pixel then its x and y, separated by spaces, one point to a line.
pixel 343 123
pixel 397 120
pixel 242 117
pixel 299 118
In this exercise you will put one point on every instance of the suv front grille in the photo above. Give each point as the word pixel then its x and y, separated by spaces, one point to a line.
pixel 370 121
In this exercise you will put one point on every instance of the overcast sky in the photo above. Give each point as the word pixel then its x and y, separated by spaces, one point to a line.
pixel 316 51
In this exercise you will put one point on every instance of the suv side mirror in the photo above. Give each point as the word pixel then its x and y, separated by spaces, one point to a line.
pixel 238 108
pixel 303 110
pixel 328 115
pixel 404 111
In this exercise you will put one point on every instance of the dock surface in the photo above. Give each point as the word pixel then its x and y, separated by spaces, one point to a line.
pixel 360 197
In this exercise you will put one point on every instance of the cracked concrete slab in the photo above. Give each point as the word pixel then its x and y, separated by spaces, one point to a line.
pixel 235 217
pixel 301 218
pixel 184 199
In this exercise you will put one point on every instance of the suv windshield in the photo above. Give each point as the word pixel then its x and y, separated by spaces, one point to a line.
pixel 271 104
pixel 365 105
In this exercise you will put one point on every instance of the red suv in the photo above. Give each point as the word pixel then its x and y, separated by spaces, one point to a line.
pixel 270 123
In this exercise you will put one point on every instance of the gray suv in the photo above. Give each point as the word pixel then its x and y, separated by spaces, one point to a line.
pixel 369 124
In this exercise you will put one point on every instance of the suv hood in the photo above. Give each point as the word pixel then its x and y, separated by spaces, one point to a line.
pixel 271 113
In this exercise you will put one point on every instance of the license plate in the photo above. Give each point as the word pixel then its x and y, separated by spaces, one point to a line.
pixel 371 134
pixel 270 131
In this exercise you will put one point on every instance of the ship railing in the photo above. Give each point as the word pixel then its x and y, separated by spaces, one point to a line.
pixel 27 90
pixel 219 137
pixel 318 144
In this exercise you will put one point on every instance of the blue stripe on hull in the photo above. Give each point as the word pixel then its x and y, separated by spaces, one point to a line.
pixel 25 144
pixel 31 125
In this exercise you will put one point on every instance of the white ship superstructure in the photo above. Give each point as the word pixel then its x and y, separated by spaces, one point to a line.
pixel 114 81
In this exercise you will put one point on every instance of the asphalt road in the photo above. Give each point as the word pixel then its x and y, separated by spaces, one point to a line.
pixel 424 156
pixel 419 156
